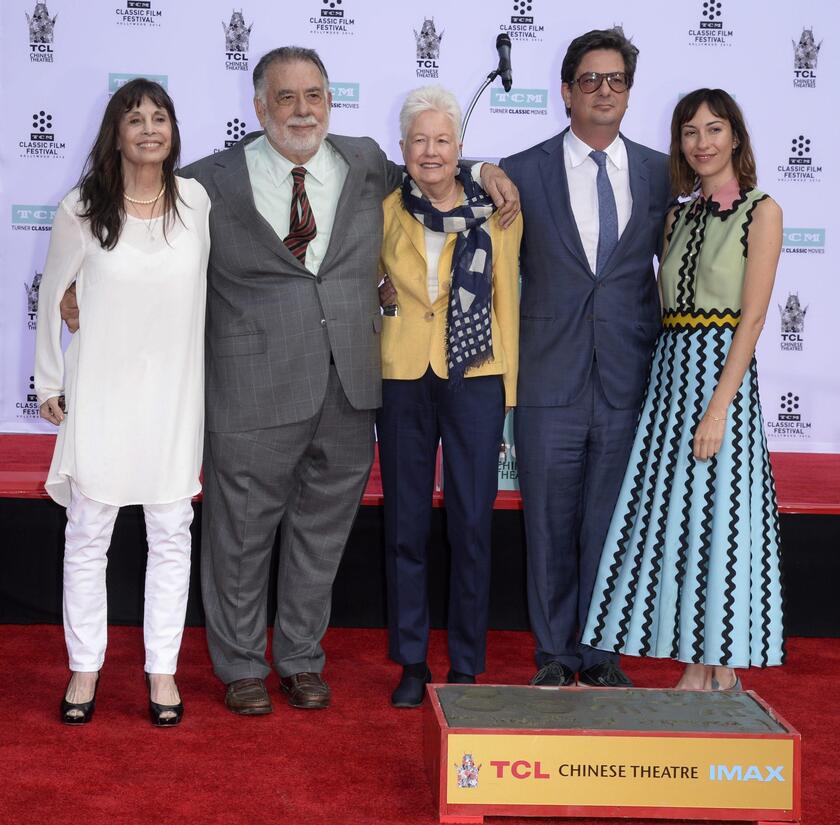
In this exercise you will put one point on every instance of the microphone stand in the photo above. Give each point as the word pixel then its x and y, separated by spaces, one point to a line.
pixel 490 78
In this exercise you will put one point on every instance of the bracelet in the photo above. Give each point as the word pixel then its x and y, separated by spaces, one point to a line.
pixel 715 418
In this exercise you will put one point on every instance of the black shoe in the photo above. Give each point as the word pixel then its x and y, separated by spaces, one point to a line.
pixel 156 711
pixel 410 691
pixel 86 709
pixel 553 674
pixel 455 677
pixel 604 674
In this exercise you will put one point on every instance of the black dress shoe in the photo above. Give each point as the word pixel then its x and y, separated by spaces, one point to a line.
pixel 410 691
pixel 455 677
pixel 553 674
pixel 156 711
pixel 604 674
pixel 78 713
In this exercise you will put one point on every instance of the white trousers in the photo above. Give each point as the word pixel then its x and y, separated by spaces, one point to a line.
pixel 86 541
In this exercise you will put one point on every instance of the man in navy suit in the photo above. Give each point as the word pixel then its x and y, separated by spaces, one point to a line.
pixel 594 205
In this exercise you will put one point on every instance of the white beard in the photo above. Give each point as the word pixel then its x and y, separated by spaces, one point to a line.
pixel 283 138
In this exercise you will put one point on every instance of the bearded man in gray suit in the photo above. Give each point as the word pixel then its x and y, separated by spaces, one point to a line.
pixel 293 373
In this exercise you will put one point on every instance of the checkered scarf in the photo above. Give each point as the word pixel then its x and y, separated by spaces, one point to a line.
pixel 469 341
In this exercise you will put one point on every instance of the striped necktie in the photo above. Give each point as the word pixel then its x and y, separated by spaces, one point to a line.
pixel 301 222
pixel 607 212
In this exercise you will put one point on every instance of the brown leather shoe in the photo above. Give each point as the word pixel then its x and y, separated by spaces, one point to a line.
pixel 306 690
pixel 248 697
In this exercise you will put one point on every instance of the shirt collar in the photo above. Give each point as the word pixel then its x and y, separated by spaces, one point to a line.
pixel 578 151
pixel 726 195
pixel 280 167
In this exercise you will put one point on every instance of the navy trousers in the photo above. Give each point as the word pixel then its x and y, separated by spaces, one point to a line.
pixel 571 463
pixel 414 416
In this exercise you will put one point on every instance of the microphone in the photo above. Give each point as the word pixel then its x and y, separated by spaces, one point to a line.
pixel 504 70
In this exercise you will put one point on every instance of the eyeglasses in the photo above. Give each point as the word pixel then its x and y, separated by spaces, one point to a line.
pixel 591 81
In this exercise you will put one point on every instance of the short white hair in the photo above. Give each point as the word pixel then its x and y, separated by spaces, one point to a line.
pixel 429 99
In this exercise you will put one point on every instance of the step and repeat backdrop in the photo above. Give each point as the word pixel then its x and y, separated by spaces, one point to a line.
pixel 61 60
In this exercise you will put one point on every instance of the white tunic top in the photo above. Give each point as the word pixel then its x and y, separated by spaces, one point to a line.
pixel 133 375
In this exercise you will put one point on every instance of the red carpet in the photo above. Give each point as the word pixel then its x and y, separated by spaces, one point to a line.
pixel 805 482
pixel 358 763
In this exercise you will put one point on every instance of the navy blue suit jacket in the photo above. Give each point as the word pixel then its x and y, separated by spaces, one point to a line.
pixel 566 314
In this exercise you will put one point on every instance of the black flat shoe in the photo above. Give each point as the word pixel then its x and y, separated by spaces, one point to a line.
pixel 86 709
pixel 455 677
pixel 156 711
pixel 410 691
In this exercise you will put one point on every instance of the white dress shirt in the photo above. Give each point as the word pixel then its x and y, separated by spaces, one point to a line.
pixel 581 171
pixel 271 183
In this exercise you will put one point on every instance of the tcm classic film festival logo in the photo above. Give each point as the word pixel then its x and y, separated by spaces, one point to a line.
pixel 801 165
pixel 139 14
pixel 41 33
pixel 523 26
pixel 711 29
pixel 237 42
pixel 792 316
pixel 805 55
pixel 42 143
pixel 333 19
pixel 427 42
pixel 790 423
pixel 235 130
pixel 27 407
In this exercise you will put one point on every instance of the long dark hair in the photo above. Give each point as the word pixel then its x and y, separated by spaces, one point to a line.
pixel 721 104
pixel 101 188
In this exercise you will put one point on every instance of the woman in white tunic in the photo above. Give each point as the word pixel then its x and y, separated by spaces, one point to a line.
pixel 127 395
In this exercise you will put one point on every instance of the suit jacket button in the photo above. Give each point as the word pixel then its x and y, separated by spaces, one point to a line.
pixel 323 322
pixel 318 279
pixel 429 315
pixel 588 317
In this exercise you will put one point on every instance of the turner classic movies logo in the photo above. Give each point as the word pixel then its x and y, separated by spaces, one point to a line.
pixel 711 30
pixel 139 14
pixel 805 54
pixel 803 241
pixel 800 165
pixel 333 19
pixel 118 79
pixel 790 423
pixel 522 26
pixel 344 95
pixel 41 28
pixel 519 101
pixel 427 41
pixel 42 142
pixel 237 40
pixel 30 217
pixel 32 290
pixel 792 316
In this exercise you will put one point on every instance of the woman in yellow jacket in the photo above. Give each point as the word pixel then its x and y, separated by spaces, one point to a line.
pixel 449 361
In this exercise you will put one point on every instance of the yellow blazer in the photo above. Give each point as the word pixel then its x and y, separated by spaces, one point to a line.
pixel 415 339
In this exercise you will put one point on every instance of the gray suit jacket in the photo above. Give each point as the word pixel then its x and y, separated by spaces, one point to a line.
pixel 271 324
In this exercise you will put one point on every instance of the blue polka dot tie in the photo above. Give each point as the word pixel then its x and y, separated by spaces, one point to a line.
pixel 607 213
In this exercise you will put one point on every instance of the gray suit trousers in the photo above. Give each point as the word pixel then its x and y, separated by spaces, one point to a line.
pixel 307 478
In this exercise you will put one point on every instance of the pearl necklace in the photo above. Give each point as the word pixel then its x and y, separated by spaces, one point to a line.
pixel 155 199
